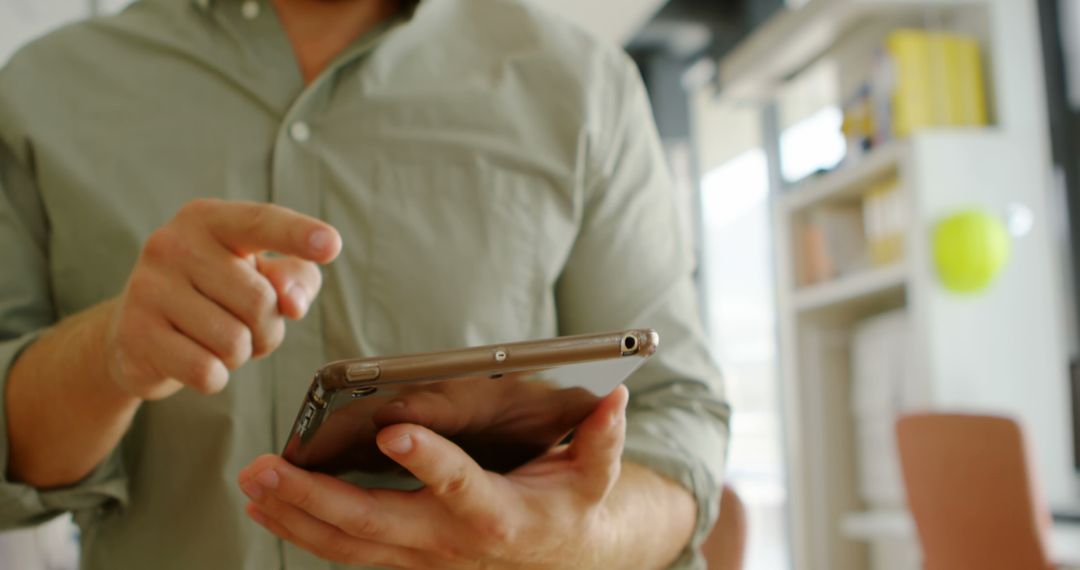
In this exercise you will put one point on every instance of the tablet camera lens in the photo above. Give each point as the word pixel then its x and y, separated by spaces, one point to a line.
pixel 629 344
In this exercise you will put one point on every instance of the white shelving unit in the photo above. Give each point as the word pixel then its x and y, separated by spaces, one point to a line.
pixel 999 351
pixel 859 288
pixel 1002 350
pixel 846 182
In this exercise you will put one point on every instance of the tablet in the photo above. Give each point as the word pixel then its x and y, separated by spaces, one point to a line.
pixel 503 404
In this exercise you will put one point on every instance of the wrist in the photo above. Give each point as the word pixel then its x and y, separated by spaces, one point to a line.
pixel 647 520
pixel 111 379
pixel 602 548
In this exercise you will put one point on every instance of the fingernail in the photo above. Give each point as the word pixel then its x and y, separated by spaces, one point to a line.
pixel 253 490
pixel 400 445
pixel 298 297
pixel 268 479
pixel 320 240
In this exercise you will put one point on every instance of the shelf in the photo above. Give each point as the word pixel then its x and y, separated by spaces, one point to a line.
pixel 846 181
pixel 878 525
pixel 851 289
pixel 794 38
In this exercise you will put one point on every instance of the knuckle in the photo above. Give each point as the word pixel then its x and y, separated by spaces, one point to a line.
pixel 164 245
pixel 141 288
pixel 255 215
pixel 313 276
pixel 271 337
pixel 262 297
pixel 304 498
pixel 198 208
pixel 495 531
pixel 201 375
pixel 363 525
pixel 255 296
pixel 456 484
pixel 238 347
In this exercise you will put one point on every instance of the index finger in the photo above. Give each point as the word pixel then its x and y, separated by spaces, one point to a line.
pixel 251 228
pixel 381 515
pixel 345 506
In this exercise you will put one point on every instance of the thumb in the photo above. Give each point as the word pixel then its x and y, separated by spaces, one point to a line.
pixel 596 450
pixel 296 282
pixel 443 467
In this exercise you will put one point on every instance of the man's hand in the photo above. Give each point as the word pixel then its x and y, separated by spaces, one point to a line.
pixel 551 513
pixel 202 301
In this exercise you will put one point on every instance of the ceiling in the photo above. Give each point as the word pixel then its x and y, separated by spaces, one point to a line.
pixel 684 29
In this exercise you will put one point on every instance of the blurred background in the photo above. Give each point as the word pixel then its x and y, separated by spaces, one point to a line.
pixel 882 194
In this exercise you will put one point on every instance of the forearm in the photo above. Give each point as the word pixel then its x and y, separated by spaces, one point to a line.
pixel 64 415
pixel 652 519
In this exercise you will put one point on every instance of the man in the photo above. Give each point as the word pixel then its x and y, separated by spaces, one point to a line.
pixel 466 172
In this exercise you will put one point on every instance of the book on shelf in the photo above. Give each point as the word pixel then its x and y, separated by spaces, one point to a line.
pixel 920 79
pixel 831 243
pixel 838 239
pixel 939 80
pixel 885 220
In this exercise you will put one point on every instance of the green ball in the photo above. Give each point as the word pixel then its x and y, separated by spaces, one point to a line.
pixel 970 250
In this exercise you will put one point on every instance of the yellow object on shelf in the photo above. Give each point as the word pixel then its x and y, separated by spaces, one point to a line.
pixel 885 220
pixel 970 250
pixel 939 81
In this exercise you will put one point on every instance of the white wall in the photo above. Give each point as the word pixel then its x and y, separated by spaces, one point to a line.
pixel 23 20
pixel 614 20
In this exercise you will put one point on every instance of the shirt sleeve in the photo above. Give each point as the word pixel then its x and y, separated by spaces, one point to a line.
pixel 26 310
pixel 630 268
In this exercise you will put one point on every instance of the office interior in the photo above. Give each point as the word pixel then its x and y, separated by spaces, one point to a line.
pixel 884 202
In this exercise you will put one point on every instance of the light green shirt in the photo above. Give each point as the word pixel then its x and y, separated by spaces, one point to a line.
pixel 493 171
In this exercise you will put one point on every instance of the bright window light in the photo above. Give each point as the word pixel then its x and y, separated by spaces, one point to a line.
pixel 814 143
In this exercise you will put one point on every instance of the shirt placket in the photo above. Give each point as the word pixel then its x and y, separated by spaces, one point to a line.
pixel 295 183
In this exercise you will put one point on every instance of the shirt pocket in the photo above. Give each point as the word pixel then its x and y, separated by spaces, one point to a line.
pixel 464 253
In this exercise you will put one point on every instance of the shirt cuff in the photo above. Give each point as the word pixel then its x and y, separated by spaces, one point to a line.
pixel 689 449
pixel 24 505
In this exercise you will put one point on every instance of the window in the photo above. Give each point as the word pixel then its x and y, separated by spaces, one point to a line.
pixel 741 318
pixel 813 144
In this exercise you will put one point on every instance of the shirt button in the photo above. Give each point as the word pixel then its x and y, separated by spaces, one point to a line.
pixel 250 9
pixel 300 131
